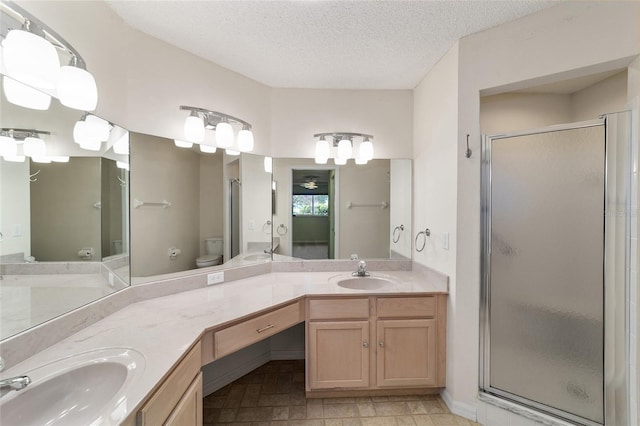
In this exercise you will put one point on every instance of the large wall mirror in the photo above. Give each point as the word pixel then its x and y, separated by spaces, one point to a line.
pixel 196 211
pixel 63 216
pixel 334 212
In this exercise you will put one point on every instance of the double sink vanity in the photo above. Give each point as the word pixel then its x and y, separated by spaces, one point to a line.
pixel 375 335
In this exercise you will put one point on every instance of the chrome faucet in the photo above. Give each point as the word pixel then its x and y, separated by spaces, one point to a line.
pixel 14 383
pixel 362 270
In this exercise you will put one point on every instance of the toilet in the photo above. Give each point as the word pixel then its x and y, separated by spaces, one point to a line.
pixel 213 248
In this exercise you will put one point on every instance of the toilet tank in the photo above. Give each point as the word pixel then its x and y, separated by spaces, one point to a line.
pixel 213 245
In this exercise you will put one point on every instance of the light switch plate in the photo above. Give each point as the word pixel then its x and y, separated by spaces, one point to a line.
pixel 215 278
pixel 445 241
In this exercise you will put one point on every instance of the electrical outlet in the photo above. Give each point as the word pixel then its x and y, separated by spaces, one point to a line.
pixel 445 241
pixel 215 278
pixel 17 230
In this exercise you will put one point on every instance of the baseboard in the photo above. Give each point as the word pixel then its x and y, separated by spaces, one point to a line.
pixel 458 408
pixel 212 384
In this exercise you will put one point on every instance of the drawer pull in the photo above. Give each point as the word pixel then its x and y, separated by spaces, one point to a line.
pixel 381 344
pixel 267 327
pixel 365 344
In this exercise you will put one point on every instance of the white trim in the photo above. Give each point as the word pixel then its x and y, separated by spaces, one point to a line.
pixel 458 408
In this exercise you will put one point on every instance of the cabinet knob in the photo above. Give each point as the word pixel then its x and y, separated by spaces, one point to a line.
pixel 381 344
pixel 365 344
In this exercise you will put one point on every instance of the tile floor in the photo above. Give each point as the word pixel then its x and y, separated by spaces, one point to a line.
pixel 274 395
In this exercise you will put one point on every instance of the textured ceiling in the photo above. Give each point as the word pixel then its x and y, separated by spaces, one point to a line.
pixel 322 44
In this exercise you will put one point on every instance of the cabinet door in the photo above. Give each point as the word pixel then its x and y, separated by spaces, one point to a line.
pixel 188 412
pixel 338 355
pixel 406 353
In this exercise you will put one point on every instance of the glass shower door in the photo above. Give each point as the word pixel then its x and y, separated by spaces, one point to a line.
pixel 544 237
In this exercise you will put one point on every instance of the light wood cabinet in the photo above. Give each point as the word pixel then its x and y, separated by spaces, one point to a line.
pixel 178 400
pixel 406 353
pixel 347 364
pixel 378 343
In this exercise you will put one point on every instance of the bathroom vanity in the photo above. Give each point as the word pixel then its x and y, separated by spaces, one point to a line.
pixel 392 338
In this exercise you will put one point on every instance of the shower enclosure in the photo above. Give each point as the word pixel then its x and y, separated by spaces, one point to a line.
pixel 555 262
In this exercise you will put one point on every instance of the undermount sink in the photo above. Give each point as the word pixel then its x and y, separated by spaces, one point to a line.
pixel 372 282
pixel 84 389
pixel 257 257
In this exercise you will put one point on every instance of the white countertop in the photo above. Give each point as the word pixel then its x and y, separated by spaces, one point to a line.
pixel 162 329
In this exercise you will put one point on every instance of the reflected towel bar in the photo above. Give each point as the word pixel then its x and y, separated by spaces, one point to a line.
pixel 382 205
pixel 139 203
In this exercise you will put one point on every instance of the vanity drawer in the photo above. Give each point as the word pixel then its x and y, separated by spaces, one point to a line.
pixel 255 329
pixel 158 408
pixel 406 307
pixel 338 309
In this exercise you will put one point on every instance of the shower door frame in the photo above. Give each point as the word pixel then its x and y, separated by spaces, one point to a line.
pixel 614 292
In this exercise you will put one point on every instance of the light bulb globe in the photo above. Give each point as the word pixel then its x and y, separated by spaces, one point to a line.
pixel 344 149
pixel 25 96
pixel 31 59
pixel 208 149
pixel 182 144
pixel 77 89
pixel 8 146
pixel 268 164
pixel 224 135
pixel 34 147
pixel 245 140
pixel 194 129
pixel 366 150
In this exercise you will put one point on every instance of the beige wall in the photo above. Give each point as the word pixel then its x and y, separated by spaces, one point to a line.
pixel 511 112
pixel 160 171
pixel 15 200
pixel 609 95
pixel 364 230
pixel 401 194
pixel 435 187
pixel 298 114
pixel 63 216
pixel 256 200
pixel 211 198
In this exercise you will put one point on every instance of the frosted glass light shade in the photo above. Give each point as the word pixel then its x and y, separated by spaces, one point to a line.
pixel 8 146
pixel 360 161
pixel 340 161
pixel 344 149
pixel 77 88
pixel 268 164
pixel 366 150
pixel 209 149
pixel 87 135
pixel 232 152
pixel 15 158
pixel 59 158
pixel 91 145
pixel 182 144
pixel 31 59
pixel 245 140
pixel 194 129
pixel 121 146
pixel 322 160
pixel 25 96
pixel 323 150
pixel 34 147
pixel 122 165
pixel 98 127
pixel 224 135
pixel 42 160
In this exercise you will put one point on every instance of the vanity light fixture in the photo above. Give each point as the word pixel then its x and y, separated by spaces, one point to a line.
pixel 32 145
pixel 231 152
pixel 121 145
pixel 31 56
pixel 344 142
pixel 182 144
pixel 201 119
pixel 25 96
pixel 122 165
pixel 206 148
pixel 90 131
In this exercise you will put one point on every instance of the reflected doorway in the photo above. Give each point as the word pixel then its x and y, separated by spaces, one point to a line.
pixel 313 213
